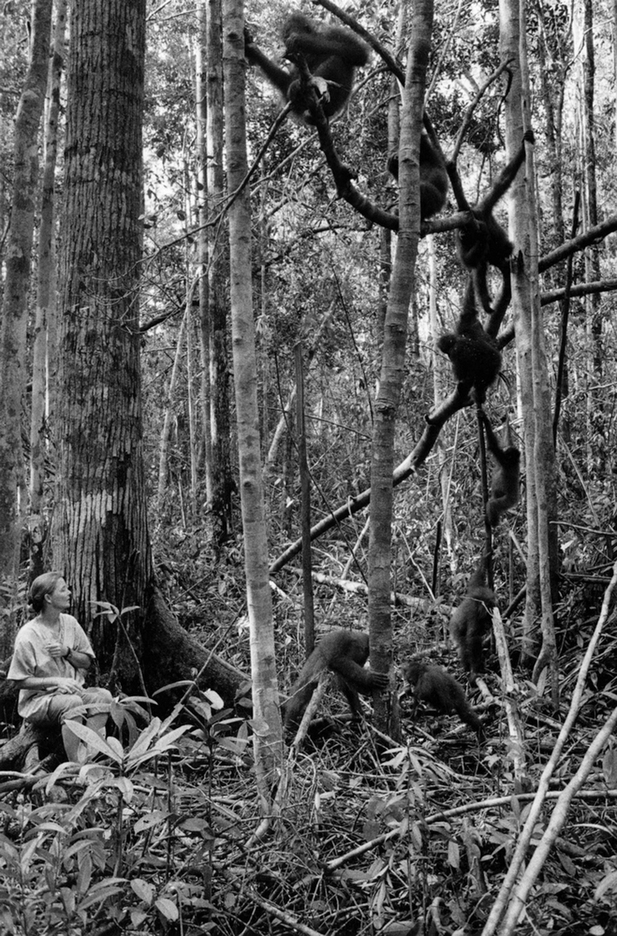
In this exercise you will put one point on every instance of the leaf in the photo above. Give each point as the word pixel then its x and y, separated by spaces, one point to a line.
pixel 143 889
pixel 182 683
pixel 143 742
pixel 110 611
pixel 214 699
pixel 102 891
pixel 154 818
pixel 115 744
pixel 84 875
pixel 169 739
pixel 50 827
pixel 166 908
pixel 193 824
pixel 92 739
pixel 609 766
pixel 454 857
pixel 235 745
pixel 65 768
pixel 124 785
pixel 608 883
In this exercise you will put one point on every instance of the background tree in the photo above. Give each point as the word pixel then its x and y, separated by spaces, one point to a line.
pixel 268 736
pixel 394 342
pixel 44 344
pixel 14 301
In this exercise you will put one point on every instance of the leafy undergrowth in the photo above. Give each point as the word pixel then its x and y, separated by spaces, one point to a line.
pixel 158 837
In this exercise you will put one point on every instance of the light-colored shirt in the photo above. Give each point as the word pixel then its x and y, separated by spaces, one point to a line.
pixel 31 658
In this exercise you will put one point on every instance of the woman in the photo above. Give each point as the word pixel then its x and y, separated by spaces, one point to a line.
pixel 51 657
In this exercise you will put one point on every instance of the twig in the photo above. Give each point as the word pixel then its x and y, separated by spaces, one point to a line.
pixel 558 819
pixel 494 803
pixel 525 836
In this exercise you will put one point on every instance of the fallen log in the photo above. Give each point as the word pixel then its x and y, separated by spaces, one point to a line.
pixel 29 746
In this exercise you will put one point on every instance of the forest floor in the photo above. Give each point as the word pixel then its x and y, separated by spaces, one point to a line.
pixel 407 838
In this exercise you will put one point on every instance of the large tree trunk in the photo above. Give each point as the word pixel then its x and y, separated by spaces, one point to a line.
pixel 101 541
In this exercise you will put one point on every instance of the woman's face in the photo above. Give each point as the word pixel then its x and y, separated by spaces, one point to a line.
pixel 60 597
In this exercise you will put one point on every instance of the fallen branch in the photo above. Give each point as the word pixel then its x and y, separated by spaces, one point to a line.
pixel 558 819
pixel 524 839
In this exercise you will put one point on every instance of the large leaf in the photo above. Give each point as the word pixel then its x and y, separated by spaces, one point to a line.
pixel 93 740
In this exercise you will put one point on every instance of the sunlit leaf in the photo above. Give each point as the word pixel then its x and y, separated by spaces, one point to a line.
pixel 143 889
pixel 143 742
pixel 166 908
pixel 181 684
pixel 606 885
pixel 93 739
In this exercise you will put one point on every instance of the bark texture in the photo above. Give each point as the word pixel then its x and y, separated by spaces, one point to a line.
pixel 393 354
pixel 101 541
pixel 14 307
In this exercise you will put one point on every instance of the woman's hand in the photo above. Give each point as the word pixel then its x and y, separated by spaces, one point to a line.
pixel 68 686
pixel 63 684
pixel 57 650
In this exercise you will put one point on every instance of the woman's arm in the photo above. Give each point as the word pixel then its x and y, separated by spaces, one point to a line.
pixel 77 658
pixel 49 682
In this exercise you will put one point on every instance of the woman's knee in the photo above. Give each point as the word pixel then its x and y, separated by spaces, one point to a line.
pixel 97 695
pixel 63 707
pixel 97 701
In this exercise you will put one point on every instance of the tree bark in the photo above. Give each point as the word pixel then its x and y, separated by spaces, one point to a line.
pixel 13 368
pixel 393 354
pixel 531 354
pixel 214 311
pixel 165 438
pixel 44 327
pixel 267 737
pixel 100 534
pixel 101 538
pixel 596 429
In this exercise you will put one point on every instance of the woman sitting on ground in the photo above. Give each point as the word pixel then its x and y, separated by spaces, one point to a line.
pixel 52 654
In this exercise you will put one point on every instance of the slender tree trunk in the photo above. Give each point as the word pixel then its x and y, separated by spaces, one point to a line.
pixel 46 302
pixel 267 740
pixel 393 355
pixel 201 151
pixel 13 367
pixel 286 417
pixel 190 405
pixel 305 488
pixel 595 393
pixel 531 353
pixel 553 99
pixel 165 439
pixel 222 485
pixel 385 236
pixel 615 68
pixel 445 463
pixel 190 269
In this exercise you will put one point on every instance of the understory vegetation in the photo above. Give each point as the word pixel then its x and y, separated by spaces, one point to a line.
pixel 161 834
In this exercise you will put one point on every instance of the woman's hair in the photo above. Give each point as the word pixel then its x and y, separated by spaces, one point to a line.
pixel 43 585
